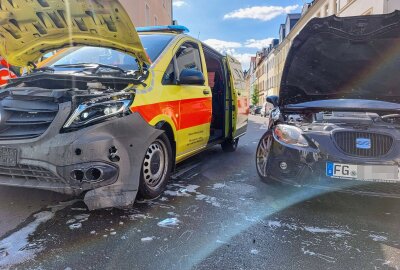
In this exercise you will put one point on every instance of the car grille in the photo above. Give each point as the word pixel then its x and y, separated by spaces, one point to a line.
pixel 380 143
pixel 25 172
pixel 23 119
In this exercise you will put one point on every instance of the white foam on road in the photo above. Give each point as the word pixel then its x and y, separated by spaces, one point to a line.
pixel 378 238
pixel 218 185
pixel 76 222
pixel 16 248
pixel 147 239
pixel 254 251
pixel 337 232
pixel 169 223
pixel 318 255
pixel 75 226
pixel 191 190
pixel 183 191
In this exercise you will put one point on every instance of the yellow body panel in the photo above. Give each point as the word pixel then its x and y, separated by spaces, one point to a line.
pixel 186 109
pixel 28 29
pixel 177 103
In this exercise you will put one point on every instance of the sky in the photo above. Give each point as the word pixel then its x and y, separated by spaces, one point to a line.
pixel 237 27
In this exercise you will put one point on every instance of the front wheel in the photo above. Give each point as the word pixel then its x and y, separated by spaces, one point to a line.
pixel 263 157
pixel 230 145
pixel 156 168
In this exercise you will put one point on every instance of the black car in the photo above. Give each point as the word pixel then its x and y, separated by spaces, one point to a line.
pixel 255 110
pixel 336 122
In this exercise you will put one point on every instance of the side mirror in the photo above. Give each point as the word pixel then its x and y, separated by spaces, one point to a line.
pixel 191 77
pixel 274 100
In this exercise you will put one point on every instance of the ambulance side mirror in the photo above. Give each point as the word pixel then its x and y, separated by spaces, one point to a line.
pixel 191 77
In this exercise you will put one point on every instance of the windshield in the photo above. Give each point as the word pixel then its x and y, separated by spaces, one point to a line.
pixel 153 44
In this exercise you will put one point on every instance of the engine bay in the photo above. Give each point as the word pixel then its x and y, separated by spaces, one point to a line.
pixel 313 120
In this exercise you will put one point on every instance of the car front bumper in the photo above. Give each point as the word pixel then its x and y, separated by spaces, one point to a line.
pixel 103 161
pixel 308 168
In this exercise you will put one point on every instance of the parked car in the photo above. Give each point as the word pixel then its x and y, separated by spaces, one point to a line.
pixel 266 109
pixel 106 117
pixel 255 110
pixel 336 122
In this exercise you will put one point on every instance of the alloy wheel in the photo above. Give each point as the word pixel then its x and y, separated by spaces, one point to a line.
pixel 263 152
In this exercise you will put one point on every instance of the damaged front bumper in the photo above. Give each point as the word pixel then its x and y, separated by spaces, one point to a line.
pixel 309 168
pixel 103 161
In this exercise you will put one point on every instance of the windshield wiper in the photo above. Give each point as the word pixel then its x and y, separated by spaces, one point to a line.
pixel 43 69
pixel 93 67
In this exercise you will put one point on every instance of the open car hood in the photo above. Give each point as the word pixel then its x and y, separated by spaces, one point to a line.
pixel 344 58
pixel 29 29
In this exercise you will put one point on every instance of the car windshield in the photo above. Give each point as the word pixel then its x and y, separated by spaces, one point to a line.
pixel 153 44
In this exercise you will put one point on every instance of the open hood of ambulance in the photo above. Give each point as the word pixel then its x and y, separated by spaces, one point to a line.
pixel 344 58
pixel 30 29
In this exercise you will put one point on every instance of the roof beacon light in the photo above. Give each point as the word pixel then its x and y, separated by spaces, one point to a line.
pixel 165 28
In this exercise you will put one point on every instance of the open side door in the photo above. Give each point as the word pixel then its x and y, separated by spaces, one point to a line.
pixel 240 97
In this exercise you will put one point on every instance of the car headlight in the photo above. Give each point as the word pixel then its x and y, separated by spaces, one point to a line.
pixel 290 135
pixel 87 114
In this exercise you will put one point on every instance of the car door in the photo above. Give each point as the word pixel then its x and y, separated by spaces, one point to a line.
pixel 195 100
pixel 240 97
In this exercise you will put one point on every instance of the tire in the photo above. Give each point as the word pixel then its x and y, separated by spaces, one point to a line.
pixel 156 169
pixel 263 156
pixel 229 145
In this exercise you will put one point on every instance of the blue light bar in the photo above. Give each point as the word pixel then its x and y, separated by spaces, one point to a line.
pixel 164 28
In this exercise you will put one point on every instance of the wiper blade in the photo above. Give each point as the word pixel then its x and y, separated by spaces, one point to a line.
pixel 94 67
pixel 43 69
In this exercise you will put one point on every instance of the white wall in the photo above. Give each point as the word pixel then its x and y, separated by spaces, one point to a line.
pixel 360 7
pixel 393 5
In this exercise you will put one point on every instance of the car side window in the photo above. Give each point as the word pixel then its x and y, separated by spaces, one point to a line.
pixel 187 57
pixel 169 77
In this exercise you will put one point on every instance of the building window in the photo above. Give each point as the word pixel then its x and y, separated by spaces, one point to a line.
pixel 147 14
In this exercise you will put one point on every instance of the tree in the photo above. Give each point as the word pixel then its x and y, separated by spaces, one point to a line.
pixel 255 98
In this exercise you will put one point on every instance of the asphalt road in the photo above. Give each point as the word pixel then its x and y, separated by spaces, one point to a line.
pixel 216 214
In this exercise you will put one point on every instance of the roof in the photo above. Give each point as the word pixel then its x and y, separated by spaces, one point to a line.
pixel 294 16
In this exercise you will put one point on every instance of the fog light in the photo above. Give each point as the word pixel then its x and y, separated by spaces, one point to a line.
pixel 283 165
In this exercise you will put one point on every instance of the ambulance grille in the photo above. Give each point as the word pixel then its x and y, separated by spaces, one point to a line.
pixel 24 119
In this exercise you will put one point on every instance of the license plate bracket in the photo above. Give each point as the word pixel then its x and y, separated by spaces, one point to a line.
pixel 369 173
pixel 8 157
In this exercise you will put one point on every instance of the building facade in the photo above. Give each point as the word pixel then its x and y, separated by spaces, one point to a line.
pixel 149 12
pixel 276 58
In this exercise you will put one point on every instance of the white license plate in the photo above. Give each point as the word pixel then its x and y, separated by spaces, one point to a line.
pixel 341 170
pixel 375 173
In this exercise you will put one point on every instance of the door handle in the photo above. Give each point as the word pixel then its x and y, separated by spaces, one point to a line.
pixel 206 92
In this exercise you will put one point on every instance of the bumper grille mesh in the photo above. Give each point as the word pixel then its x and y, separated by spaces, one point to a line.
pixel 22 119
pixel 347 142
pixel 26 172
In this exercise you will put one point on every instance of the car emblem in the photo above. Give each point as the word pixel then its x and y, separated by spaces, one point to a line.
pixel 363 143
